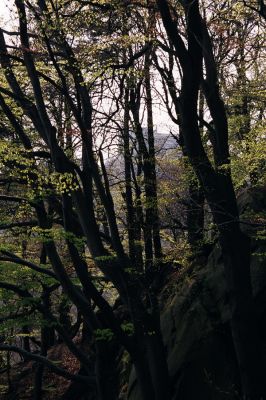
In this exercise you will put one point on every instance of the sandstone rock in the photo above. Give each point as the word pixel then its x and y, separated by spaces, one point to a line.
pixel 195 324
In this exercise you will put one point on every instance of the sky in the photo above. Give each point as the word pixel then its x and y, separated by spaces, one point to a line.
pixel 161 118
pixel 4 10
pixel 5 14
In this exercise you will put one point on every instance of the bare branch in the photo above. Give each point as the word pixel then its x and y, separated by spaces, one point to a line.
pixel 89 380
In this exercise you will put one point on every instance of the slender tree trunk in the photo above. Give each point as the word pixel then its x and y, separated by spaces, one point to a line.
pixel 150 365
pixel 236 254
pixel 38 377
pixel 144 166
pixel 143 375
pixel 106 371
pixel 138 215
pixel 158 366
pixel 156 353
pixel 26 340
pixel 128 183
pixel 148 355
pixel 195 215
pixel 152 214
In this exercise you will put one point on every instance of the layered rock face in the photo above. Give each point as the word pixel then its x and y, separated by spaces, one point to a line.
pixel 195 320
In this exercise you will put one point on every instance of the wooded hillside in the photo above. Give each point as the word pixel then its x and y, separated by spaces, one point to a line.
pixel 130 133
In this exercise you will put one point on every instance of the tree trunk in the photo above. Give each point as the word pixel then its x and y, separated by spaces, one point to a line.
pixel 244 325
pixel 152 213
pixel 143 376
pixel 106 371
pixel 131 220
pixel 195 215
pixel 156 355
pixel 218 187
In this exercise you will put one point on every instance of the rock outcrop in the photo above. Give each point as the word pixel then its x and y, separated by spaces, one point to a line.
pixel 195 321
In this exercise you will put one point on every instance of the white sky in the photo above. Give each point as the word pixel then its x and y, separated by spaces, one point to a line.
pixel 5 6
pixel 161 118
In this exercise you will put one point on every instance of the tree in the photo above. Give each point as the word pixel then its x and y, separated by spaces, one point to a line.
pixel 89 200
pixel 199 70
pixel 68 185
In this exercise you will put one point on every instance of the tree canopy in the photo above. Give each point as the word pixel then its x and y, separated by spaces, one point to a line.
pixel 127 131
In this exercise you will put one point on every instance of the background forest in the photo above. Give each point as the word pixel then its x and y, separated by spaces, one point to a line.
pixel 132 134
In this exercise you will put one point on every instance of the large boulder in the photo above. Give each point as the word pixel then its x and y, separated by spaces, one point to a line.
pixel 195 324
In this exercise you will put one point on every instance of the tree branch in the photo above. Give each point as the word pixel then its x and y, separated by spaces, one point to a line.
pixel 89 380
pixel 17 260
